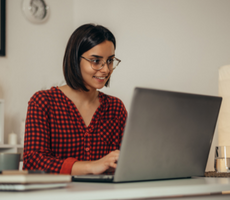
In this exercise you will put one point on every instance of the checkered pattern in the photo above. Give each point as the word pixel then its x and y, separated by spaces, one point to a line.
pixel 56 135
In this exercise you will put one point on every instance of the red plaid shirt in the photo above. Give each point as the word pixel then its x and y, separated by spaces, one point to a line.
pixel 56 135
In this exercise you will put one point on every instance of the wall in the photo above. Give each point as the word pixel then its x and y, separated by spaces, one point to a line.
pixel 177 45
pixel 34 54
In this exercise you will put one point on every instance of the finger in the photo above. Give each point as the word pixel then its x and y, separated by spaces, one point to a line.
pixel 115 153
pixel 113 162
pixel 114 158
pixel 113 165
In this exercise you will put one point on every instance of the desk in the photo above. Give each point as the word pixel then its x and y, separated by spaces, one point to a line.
pixel 136 190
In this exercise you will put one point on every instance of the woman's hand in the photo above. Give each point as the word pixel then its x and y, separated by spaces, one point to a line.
pixel 107 163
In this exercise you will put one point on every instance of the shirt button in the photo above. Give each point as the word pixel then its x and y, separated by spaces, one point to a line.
pixel 87 149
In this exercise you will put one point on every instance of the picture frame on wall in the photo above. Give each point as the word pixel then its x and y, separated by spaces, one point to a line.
pixel 2 27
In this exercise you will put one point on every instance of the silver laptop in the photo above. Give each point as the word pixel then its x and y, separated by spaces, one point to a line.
pixel 168 135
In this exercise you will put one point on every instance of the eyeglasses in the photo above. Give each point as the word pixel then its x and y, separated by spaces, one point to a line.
pixel 98 63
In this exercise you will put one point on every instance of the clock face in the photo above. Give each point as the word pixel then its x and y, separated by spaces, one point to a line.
pixel 35 11
pixel 38 9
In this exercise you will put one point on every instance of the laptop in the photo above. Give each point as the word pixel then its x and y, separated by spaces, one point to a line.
pixel 168 135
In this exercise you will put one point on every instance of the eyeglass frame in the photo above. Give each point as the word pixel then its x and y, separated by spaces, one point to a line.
pixel 90 60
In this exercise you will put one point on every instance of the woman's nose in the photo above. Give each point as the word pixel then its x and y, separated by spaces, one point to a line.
pixel 105 68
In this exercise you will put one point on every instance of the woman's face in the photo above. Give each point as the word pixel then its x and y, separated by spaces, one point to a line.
pixel 94 79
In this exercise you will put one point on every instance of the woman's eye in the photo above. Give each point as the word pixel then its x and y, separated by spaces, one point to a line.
pixel 110 60
pixel 96 61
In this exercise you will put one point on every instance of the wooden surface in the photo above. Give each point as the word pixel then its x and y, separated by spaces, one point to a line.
pixel 216 174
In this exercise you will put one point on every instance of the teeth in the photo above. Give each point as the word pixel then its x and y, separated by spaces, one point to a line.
pixel 100 77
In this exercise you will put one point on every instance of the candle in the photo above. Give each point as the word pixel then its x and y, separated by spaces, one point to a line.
pixel 12 138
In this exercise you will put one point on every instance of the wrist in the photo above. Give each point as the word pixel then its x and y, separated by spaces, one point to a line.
pixel 82 168
pixel 88 167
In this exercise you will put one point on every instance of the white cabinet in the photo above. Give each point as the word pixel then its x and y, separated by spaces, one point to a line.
pixel 7 148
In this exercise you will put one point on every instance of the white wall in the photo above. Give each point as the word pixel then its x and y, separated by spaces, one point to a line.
pixel 165 44
pixel 34 54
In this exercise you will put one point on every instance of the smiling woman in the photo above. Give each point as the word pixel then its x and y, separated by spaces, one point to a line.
pixel 75 129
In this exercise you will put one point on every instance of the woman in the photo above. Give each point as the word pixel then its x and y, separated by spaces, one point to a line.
pixel 75 129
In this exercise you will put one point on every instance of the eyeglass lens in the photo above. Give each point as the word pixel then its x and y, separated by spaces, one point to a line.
pixel 99 63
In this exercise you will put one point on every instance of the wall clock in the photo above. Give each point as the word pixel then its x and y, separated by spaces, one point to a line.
pixel 36 11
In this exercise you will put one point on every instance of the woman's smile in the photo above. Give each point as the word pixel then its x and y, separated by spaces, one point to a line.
pixel 100 77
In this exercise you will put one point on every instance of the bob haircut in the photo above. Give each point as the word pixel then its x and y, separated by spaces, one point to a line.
pixel 82 39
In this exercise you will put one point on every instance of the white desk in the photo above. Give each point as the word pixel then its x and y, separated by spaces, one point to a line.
pixel 137 190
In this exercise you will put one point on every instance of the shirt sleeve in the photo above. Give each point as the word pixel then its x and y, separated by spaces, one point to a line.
pixel 37 151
